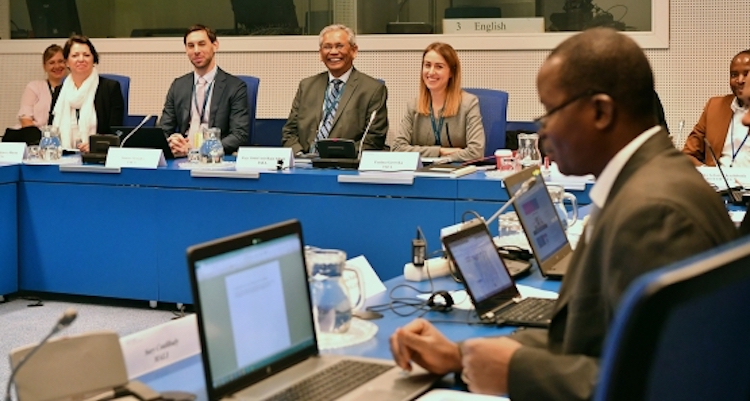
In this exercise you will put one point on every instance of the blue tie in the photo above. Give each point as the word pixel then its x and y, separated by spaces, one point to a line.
pixel 329 106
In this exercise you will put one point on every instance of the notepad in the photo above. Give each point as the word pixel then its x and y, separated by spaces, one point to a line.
pixel 445 170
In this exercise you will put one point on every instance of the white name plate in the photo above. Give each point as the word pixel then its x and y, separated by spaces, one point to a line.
pixel 157 347
pixel 493 25
pixel 258 158
pixel 389 161
pixel 135 158
pixel 12 152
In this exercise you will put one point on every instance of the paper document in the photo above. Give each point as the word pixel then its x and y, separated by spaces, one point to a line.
pixel 453 395
pixel 737 176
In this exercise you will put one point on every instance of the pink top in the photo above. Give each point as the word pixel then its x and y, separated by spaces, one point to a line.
pixel 35 102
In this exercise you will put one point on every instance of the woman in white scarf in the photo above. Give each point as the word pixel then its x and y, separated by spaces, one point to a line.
pixel 76 113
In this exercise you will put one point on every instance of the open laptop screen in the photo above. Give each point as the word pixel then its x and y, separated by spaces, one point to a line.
pixel 255 307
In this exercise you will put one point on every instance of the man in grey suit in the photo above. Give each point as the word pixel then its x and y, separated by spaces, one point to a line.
pixel 208 95
pixel 338 103
pixel 651 208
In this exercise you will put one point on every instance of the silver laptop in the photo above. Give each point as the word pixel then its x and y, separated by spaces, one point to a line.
pixel 256 326
pixel 540 223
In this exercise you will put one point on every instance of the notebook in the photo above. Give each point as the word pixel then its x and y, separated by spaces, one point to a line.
pixel 540 223
pixel 488 282
pixel 256 328
pixel 144 137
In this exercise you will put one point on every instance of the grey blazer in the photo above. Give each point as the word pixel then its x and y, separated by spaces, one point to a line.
pixel 660 210
pixel 362 95
pixel 228 109
pixel 464 130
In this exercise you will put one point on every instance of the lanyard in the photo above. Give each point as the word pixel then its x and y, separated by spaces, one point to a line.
pixel 735 153
pixel 327 110
pixel 437 127
pixel 202 110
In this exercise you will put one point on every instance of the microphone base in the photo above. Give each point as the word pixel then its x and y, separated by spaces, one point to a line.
pixel 93 158
pixel 321 162
pixel 437 267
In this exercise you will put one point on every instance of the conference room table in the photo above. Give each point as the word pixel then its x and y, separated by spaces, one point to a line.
pixel 124 234
pixel 187 375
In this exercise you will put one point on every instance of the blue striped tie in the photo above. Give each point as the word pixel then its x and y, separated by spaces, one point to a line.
pixel 330 106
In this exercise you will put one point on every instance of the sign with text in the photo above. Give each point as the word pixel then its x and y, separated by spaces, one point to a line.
pixel 261 158
pixel 389 161
pixel 135 158
pixel 493 25
pixel 12 152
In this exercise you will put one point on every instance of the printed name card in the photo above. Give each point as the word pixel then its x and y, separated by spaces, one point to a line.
pixel 257 158
pixel 493 25
pixel 12 152
pixel 389 161
pixel 135 158
pixel 157 347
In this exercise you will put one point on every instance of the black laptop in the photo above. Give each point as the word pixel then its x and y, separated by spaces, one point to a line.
pixel 143 137
pixel 256 330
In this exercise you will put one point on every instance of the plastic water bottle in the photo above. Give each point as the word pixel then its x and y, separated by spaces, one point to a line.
pixel 212 151
pixel 50 146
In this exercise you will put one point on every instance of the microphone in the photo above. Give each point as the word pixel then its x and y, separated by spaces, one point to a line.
pixel 134 130
pixel 367 129
pixel 525 187
pixel 65 320
pixel 734 197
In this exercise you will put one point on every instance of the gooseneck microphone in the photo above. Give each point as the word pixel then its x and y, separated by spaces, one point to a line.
pixel 734 197
pixel 367 129
pixel 525 187
pixel 134 130
pixel 65 320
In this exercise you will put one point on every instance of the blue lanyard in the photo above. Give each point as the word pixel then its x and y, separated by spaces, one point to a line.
pixel 437 126
pixel 735 153
pixel 327 110
pixel 202 110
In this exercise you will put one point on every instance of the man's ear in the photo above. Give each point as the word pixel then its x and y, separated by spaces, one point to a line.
pixel 605 111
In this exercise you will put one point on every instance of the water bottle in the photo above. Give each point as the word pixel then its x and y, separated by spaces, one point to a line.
pixel 49 146
pixel 212 151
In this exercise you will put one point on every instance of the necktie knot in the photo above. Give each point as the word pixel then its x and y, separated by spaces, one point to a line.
pixel 201 81
pixel 337 85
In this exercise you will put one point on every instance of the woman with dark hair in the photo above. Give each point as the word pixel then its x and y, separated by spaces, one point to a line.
pixel 88 104
pixel 36 100
pixel 443 121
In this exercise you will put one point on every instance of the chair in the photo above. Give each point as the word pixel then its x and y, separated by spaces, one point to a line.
pixel 124 88
pixel 681 332
pixel 252 102
pixel 493 104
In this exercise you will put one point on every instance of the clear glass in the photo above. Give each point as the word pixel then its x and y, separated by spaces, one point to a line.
pixel 508 225
pixel 528 150
pixel 49 146
pixel 558 195
pixel 32 152
pixel 332 306
pixel 211 150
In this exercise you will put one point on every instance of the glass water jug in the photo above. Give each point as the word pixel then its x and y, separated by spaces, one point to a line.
pixel 332 305
pixel 528 150
pixel 50 147
pixel 558 195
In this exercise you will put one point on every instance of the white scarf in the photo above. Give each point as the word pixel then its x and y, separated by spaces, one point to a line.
pixel 70 100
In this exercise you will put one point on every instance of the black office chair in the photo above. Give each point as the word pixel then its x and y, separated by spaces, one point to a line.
pixel 683 332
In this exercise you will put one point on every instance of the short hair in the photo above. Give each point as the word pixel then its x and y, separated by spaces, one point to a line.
pixel 81 39
pixel 746 51
pixel 453 90
pixel 338 27
pixel 50 52
pixel 603 60
pixel 198 27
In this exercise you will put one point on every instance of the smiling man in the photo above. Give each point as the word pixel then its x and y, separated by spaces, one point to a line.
pixel 208 95
pixel 651 208
pixel 337 103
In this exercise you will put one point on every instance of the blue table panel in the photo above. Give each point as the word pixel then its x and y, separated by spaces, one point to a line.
pixel 480 187
pixel 8 238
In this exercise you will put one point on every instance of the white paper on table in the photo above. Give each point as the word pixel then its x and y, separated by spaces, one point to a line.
pixel 370 280
pixel 454 395
pixel 462 300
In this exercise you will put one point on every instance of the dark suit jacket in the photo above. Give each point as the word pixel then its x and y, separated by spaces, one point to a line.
pixel 109 105
pixel 660 210
pixel 228 109
pixel 362 95
pixel 713 125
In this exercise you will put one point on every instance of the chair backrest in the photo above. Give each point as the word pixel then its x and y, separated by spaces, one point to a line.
pixel 252 101
pixel 77 366
pixel 683 332
pixel 493 104
pixel 124 88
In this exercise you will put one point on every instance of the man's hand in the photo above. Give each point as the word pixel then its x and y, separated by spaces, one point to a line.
pixel 485 362
pixel 178 144
pixel 421 342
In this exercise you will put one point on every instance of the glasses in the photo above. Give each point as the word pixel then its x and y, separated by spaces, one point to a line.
pixel 541 121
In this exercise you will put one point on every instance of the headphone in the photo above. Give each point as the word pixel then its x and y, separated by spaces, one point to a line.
pixel 440 301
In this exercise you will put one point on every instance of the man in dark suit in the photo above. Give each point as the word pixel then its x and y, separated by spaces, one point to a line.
pixel 650 208
pixel 337 103
pixel 207 96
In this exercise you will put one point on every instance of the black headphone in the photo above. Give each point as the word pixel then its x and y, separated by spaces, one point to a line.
pixel 440 301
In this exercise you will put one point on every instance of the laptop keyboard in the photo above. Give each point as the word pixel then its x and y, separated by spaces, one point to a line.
pixel 534 311
pixel 332 382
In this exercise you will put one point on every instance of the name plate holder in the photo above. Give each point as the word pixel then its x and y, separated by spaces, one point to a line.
pixel 135 158
pixel 377 167
pixel 264 159
pixel 249 174
pixel 12 152
pixel 88 168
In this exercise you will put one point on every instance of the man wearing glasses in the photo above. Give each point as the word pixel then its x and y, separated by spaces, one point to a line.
pixel 338 103
pixel 650 208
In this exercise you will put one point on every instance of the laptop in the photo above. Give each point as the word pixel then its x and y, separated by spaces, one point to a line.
pixel 540 223
pixel 488 281
pixel 256 328
pixel 143 137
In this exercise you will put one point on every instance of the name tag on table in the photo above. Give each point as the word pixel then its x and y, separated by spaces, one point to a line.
pixel 160 346
pixel 260 158
pixel 389 161
pixel 12 152
pixel 135 158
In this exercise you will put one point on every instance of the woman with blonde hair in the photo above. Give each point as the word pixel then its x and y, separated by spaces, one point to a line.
pixel 36 101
